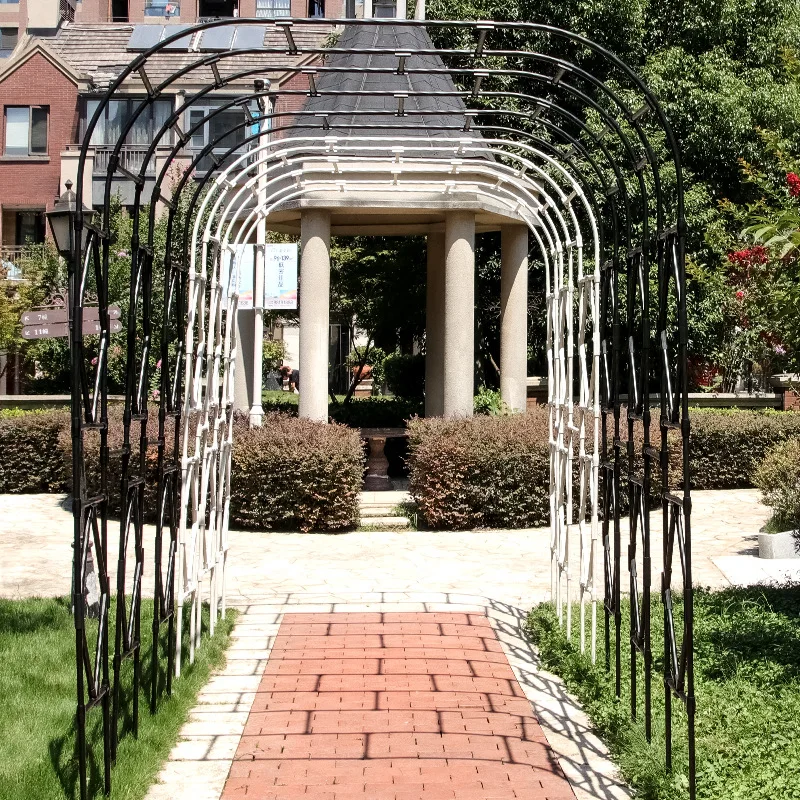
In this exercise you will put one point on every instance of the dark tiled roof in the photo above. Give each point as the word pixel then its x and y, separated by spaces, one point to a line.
pixel 340 108
pixel 100 52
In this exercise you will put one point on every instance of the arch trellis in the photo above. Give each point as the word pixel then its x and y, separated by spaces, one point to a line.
pixel 602 229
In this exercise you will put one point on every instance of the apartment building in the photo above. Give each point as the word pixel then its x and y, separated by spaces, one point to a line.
pixel 58 57
pixel 64 56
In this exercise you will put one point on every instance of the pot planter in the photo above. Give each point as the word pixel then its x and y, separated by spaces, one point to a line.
pixel 779 545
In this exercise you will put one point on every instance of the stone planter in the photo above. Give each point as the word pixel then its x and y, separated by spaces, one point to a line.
pixel 779 545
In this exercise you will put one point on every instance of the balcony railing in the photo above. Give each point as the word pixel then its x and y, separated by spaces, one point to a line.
pixel 11 255
pixel 131 158
pixel 67 10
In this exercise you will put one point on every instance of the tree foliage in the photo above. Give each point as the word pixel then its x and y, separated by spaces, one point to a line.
pixel 724 72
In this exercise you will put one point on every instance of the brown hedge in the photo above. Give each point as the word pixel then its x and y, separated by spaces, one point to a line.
pixel 482 472
pixel 29 458
pixel 289 474
pixel 294 474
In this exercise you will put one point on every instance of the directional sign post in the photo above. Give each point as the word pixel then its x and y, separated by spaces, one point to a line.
pixel 53 323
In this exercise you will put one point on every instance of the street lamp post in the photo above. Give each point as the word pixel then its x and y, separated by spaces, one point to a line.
pixel 62 221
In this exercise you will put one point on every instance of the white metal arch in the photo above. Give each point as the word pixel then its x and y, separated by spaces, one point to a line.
pixel 209 365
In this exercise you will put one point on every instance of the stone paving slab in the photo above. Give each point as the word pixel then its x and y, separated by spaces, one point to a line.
pixel 349 731
pixel 36 536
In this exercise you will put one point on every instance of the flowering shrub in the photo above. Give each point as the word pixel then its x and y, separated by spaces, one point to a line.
pixel 793 182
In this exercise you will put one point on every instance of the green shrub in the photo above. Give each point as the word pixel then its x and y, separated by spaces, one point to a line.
pixel 29 458
pixel 360 412
pixel 778 477
pixel 295 474
pixel 376 412
pixel 728 446
pixel 481 472
pixel 405 375
pixel 285 402
pixel 272 355
pixel 489 402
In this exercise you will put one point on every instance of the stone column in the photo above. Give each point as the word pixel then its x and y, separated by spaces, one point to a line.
pixel 434 327
pixel 459 313
pixel 243 378
pixel 514 316
pixel 315 282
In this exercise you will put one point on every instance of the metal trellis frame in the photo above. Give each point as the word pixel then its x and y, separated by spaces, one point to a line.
pixel 593 202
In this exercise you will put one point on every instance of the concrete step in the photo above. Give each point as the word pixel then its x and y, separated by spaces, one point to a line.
pixel 388 522
pixel 377 511
pixel 384 498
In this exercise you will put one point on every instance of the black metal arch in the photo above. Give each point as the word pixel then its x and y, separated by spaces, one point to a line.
pixel 629 245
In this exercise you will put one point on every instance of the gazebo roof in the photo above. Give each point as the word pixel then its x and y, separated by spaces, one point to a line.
pixel 408 102
pixel 346 112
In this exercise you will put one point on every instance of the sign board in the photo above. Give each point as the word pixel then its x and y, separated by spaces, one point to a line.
pixel 280 276
pixel 239 271
pixel 52 316
pixel 54 330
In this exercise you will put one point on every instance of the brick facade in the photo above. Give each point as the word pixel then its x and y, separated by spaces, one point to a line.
pixel 34 182
pixel 97 10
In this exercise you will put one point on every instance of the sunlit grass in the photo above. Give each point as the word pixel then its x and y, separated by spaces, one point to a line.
pixel 37 705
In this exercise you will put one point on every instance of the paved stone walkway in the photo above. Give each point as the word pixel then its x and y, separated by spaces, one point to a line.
pixel 420 706
pixel 498 575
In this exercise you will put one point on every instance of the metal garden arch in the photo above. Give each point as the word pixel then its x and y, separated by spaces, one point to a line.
pixel 593 201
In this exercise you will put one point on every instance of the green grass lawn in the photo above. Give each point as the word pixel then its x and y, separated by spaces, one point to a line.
pixel 747 677
pixel 37 710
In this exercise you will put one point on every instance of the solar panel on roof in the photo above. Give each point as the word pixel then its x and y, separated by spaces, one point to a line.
pixel 249 37
pixel 145 36
pixel 217 38
pixel 179 44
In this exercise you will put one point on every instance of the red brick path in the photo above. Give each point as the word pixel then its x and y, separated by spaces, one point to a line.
pixel 392 706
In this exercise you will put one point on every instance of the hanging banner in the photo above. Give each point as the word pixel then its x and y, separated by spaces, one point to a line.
pixel 280 276
pixel 243 274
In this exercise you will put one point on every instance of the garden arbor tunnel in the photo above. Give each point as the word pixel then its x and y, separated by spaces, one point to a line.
pixel 397 135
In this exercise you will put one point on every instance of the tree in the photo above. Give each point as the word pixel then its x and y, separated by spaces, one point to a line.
pixel 723 71
pixel 378 288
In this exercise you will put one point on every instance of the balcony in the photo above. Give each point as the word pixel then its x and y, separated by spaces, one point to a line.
pixel 131 158
pixel 11 255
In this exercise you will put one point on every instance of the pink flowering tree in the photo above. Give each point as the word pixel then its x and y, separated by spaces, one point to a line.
pixel 763 269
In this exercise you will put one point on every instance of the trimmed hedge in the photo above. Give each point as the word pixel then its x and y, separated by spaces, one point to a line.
pixel 727 446
pixel 481 472
pixel 376 412
pixel 295 474
pixel 30 461
pixel 361 412
pixel 494 472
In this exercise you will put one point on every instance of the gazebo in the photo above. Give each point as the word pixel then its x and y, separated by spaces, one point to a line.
pixel 396 156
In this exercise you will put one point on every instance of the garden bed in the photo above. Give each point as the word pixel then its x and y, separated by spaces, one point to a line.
pixel 747 681
pixel 37 684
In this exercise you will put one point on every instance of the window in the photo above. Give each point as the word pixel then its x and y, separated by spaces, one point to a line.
pixel 225 129
pixel 316 8
pixel 8 40
pixel 29 226
pixel 116 115
pixel 162 8
pixel 218 8
pixel 26 131
pixel 385 9
pixel 273 8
